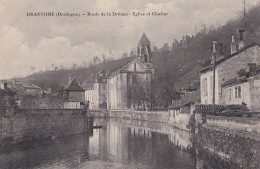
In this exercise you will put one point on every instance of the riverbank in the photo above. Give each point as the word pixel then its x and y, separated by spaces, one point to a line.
pixel 35 124
pixel 236 139
pixel 158 116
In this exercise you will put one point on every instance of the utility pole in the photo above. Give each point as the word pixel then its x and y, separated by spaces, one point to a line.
pixel 214 54
pixel 244 14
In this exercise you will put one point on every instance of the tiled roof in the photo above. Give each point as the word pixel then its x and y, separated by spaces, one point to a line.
pixel 218 108
pixel 25 84
pixel 73 86
pixel 56 91
pixel 144 40
pixel 236 81
pixel 232 82
pixel 18 86
pixel 230 56
pixel 190 97
pixel 121 63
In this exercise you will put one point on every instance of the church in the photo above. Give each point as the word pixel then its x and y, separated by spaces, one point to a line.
pixel 129 85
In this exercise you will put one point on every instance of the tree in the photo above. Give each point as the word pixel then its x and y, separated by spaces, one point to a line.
pixel 163 89
pixel 141 93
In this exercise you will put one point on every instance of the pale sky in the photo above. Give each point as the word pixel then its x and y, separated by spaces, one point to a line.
pixel 41 41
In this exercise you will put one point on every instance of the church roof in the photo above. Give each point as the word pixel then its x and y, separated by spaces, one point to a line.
pixel 144 40
pixel 121 63
pixel 128 61
pixel 73 86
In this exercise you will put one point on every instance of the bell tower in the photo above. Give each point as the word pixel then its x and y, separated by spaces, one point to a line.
pixel 144 49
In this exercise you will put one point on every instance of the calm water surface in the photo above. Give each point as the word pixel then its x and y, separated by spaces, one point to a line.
pixel 118 144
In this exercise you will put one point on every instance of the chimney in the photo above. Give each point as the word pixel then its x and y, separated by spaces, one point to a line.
pixel 70 78
pixel 233 45
pixel 252 68
pixel 5 85
pixel 241 40
pixel 214 52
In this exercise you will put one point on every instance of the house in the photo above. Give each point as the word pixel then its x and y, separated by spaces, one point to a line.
pixel 226 70
pixel 74 95
pixel 96 93
pixel 25 87
pixel 181 110
pixel 7 99
pixel 124 82
pixel 243 89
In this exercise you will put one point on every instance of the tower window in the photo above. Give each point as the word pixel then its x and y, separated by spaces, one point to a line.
pixel 145 58
pixel 134 79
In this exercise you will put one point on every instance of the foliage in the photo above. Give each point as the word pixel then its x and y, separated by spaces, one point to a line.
pixel 141 94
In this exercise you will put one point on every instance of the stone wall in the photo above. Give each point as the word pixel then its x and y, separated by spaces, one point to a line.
pixel 181 121
pixel 26 125
pixel 230 145
pixel 39 102
pixel 235 123
pixel 236 139
pixel 158 116
pixel 140 115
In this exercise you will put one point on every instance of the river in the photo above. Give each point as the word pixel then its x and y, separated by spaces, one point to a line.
pixel 118 144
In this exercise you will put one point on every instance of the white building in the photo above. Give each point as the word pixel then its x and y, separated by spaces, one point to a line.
pixel 96 93
pixel 135 73
pixel 226 70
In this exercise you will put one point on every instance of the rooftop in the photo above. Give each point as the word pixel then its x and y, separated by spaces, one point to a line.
pixel 144 40
pixel 208 108
pixel 190 97
pixel 223 59
pixel 122 63
pixel 236 81
pixel 73 86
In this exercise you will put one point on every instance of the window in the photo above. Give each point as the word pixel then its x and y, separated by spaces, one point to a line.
pixel 211 83
pixel 134 79
pixel 238 92
pixel 230 94
pixel 205 87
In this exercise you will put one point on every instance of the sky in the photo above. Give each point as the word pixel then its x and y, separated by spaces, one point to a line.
pixel 30 43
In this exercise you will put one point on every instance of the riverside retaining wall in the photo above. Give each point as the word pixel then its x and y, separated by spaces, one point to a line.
pixel 235 123
pixel 158 116
pixel 239 148
pixel 234 138
pixel 26 125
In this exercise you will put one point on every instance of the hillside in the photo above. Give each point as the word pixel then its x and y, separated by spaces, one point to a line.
pixel 174 68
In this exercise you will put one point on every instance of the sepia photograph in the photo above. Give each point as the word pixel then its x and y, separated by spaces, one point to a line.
pixel 130 84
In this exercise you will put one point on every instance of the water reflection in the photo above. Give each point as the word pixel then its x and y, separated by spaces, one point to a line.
pixel 119 144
